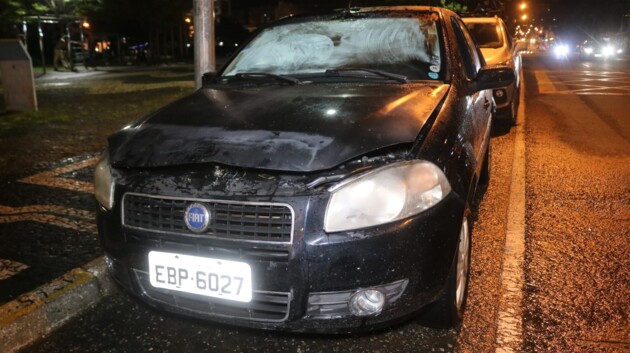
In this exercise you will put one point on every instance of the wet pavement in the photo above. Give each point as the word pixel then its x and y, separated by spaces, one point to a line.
pixel 578 207
pixel 45 230
pixel 47 158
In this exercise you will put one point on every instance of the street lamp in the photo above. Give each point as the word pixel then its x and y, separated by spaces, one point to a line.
pixel 523 6
pixel 524 17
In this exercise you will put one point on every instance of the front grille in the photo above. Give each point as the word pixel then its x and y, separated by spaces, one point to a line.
pixel 264 306
pixel 255 221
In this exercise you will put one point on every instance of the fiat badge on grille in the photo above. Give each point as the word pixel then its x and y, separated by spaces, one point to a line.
pixel 197 217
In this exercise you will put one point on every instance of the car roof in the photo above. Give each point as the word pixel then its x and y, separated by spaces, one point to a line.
pixel 394 8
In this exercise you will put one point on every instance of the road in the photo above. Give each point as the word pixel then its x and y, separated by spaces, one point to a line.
pixel 576 286
pixel 578 207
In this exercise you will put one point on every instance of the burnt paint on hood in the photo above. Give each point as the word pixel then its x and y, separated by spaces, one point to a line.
pixel 300 128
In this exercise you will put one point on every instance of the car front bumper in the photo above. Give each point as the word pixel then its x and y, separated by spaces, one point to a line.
pixel 303 284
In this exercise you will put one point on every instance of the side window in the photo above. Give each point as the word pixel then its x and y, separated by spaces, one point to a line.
pixel 467 48
pixel 507 36
pixel 476 54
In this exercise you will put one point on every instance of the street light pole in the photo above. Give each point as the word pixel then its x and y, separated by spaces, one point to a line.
pixel 203 13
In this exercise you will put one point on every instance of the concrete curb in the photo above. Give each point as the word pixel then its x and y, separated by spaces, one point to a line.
pixel 37 313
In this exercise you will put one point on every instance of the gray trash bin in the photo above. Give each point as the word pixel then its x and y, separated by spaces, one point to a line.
pixel 16 69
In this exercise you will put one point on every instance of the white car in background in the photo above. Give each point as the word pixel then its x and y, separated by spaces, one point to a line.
pixel 498 48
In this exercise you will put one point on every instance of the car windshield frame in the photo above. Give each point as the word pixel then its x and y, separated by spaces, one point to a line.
pixel 479 36
pixel 427 65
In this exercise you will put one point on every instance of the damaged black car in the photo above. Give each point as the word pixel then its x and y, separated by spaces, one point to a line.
pixel 321 181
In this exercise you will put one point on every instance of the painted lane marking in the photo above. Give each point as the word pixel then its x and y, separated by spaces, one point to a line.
pixel 545 86
pixel 509 336
pixel 609 83
pixel 69 218
pixel 51 178
pixel 10 268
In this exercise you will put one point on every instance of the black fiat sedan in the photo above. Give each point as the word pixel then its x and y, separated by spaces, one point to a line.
pixel 320 181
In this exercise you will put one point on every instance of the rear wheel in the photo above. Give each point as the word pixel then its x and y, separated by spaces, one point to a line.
pixel 448 310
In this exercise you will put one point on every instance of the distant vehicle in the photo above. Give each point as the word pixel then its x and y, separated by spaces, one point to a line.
pixel 498 48
pixel 561 51
pixel 603 48
pixel 321 181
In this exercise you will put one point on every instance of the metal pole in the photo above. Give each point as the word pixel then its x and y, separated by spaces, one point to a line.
pixel 203 13
pixel 41 45
pixel 69 46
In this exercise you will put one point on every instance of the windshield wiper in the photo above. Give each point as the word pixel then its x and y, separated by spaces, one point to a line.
pixel 395 77
pixel 287 79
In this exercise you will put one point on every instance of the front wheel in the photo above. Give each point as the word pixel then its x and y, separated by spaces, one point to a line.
pixel 448 310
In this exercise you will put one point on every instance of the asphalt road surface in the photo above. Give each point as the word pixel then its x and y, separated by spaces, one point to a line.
pixel 578 206
pixel 577 255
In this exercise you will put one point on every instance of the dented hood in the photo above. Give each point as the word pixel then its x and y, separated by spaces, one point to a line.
pixel 299 128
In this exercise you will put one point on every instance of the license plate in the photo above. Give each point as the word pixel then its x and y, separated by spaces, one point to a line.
pixel 231 280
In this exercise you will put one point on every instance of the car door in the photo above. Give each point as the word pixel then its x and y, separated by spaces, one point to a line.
pixel 479 114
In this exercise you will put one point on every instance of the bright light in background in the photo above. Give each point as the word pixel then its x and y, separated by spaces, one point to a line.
pixel 331 112
pixel 524 17
pixel 523 6
pixel 561 50
pixel 86 24
pixel 608 50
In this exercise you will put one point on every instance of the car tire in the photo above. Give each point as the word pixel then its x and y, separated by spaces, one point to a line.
pixel 447 311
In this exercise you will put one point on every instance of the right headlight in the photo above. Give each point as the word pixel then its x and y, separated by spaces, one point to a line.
pixel 384 195
pixel 104 183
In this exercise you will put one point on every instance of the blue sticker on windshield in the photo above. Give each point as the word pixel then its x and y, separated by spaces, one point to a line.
pixel 433 75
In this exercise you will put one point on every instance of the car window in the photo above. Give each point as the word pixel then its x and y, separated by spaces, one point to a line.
pixel 408 46
pixel 468 48
pixel 486 35
pixel 508 37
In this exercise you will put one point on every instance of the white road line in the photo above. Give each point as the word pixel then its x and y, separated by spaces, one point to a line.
pixel 545 86
pixel 51 177
pixel 509 337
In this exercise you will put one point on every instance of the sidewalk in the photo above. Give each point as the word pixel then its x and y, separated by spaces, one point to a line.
pixel 50 264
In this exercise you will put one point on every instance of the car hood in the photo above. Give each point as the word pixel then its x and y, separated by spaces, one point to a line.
pixel 494 56
pixel 297 128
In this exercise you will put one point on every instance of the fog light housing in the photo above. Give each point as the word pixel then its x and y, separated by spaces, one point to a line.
pixel 367 302
pixel 500 96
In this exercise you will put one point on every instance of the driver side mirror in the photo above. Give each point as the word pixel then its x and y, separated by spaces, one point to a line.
pixel 208 78
pixel 494 77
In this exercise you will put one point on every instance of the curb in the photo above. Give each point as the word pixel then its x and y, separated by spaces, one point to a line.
pixel 35 314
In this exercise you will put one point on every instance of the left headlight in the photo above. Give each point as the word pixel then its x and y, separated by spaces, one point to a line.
pixel 384 195
pixel 104 183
